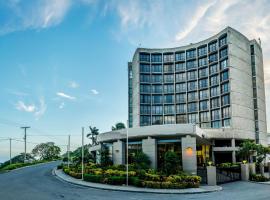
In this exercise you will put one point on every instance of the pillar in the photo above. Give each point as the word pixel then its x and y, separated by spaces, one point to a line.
pixel 211 175
pixel 119 153
pixel 262 168
pixel 244 172
pixel 252 168
pixel 233 152
pixel 149 147
pixel 189 157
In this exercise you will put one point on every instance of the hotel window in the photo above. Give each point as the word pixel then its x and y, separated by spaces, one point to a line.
pixel 226 112
pixel 145 98
pixel 145 120
pixel 213 69
pixel 156 58
pixel 181 108
pixel 203 94
pixel 214 91
pixel 202 62
pixel 156 68
pixel 224 76
pixel 144 57
pixel 145 78
pixel 180 77
pixel 203 72
pixel 193 118
pixel 213 58
pixel 179 56
pixel 145 88
pixel 204 117
pixel 202 51
pixel 216 124
pixel 191 54
pixel 168 98
pixel 223 53
pixel 224 88
pixel 212 47
pixel 222 41
pixel 157 110
pixel 226 122
pixel 157 99
pixel 192 75
pixel 156 78
pixel 168 88
pixel 203 83
pixel 224 64
pixel 181 119
pixel 192 96
pixel 144 68
pixel 214 80
pixel 168 78
pixel 145 110
pixel 157 120
pixel 168 57
pixel 203 105
pixel 215 103
pixel 169 109
pixel 192 85
pixel 225 100
pixel 180 98
pixel 181 87
pixel 215 114
pixel 192 107
pixel 180 67
pixel 169 119
pixel 191 64
pixel 168 68
pixel 157 89
pixel 205 125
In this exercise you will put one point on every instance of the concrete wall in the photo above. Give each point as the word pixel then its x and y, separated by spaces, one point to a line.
pixel 119 153
pixel 189 157
pixel 149 147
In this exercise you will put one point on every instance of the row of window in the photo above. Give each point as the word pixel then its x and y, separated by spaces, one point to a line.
pixel 183 119
pixel 179 67
pixel 189 54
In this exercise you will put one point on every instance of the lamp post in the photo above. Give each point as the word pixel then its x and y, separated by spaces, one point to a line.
pixel 127 154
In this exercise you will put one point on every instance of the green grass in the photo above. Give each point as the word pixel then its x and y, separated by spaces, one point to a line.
pixel 19 165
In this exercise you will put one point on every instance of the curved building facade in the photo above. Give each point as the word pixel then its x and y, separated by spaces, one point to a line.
pixel 217 84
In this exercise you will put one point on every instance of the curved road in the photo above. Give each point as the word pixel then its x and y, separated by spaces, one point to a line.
pixel 38 183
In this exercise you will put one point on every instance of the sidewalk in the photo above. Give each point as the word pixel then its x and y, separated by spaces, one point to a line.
pixel 203 189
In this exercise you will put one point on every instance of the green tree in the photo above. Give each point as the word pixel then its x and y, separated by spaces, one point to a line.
pixel 262 152
pixel 93 135
pixel 118 126
pixel 77 155
pixel 47 151
pixel 171 163
pixel 247 149
pixel 141 161
pixel 105 159
pixel 18 159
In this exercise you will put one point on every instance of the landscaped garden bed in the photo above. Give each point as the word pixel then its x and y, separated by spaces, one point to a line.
pixel 116 175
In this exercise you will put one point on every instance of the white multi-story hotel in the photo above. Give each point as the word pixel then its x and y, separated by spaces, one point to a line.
pixel 201 101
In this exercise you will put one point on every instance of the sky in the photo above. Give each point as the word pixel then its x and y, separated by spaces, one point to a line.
pixel 63 63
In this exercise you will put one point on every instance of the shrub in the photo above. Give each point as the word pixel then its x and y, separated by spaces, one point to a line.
pixel 135 181
pixel 93 178
pixel 171 163
pixel 258 178
pixel 116 180
pixel 141 161
pixel 60 166
pixel 75 174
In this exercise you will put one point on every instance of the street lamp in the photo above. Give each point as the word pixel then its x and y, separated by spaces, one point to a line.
pixel 127 154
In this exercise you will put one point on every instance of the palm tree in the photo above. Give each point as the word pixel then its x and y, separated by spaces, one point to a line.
pixel 118 126
pixel 93 135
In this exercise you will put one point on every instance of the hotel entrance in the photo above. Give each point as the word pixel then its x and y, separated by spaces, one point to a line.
pixel 203 154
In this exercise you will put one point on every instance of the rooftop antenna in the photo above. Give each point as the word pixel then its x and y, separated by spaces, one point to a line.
pixel 260 43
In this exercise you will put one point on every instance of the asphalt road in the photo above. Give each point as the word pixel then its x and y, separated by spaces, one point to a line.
pixel 38 183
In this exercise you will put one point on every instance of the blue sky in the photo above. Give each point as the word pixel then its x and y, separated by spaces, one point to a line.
pixel 63 63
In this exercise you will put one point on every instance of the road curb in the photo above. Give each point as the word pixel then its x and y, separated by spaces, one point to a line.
pixel 203 189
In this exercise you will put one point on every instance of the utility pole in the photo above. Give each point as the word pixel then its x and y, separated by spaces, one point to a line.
pixel 127 152
pixel 10 162
pixel 25 128
pixel 82 152
pixel 68 149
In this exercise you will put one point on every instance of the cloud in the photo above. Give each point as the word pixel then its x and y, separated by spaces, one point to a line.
pixel 17 93
pixel 199 14
pixel 41 109
pixel 94 91
pixel 66 96
pixel 62 105
pixel 23 107
pixel 73 84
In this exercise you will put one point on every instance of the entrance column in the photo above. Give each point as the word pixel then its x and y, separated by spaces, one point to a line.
pixel 189 157
pixel 119 153
pixel 149 147
pixel 233 152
